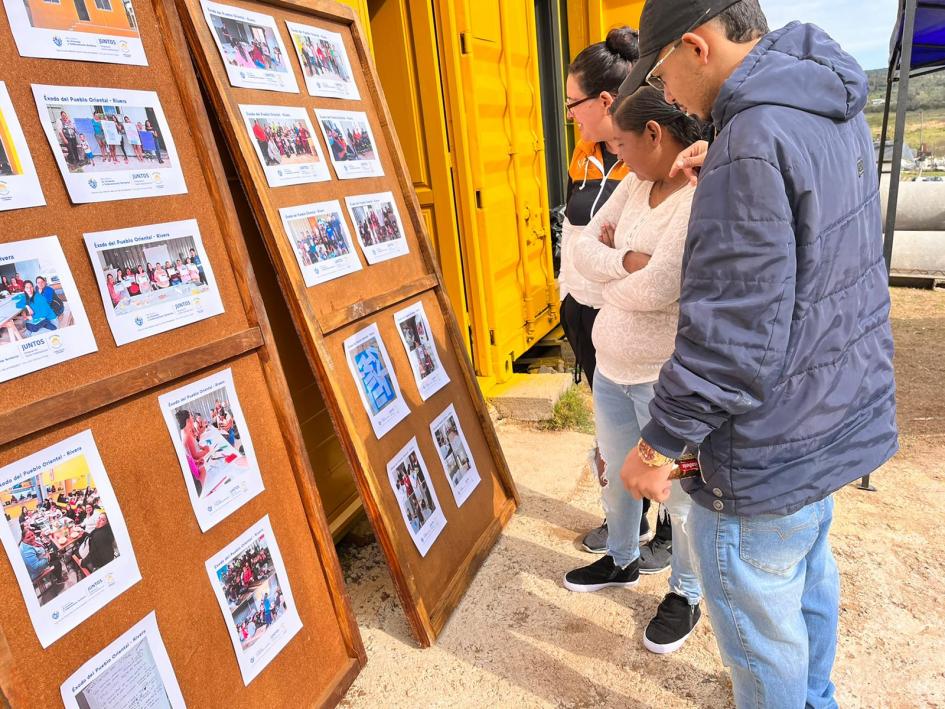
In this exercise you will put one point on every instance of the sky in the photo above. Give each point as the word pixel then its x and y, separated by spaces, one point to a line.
pixel 862 27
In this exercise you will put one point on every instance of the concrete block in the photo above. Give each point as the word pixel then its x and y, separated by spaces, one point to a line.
pixel 530 397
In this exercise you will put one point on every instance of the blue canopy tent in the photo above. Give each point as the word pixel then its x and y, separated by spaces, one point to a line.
pixel 917 48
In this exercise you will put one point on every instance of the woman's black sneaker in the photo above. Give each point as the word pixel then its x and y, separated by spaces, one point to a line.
pixel 656 556
pixel 603 573
pixel 674 622
pixel 595 541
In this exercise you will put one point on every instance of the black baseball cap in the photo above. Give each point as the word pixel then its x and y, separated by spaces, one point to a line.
pixel 663 22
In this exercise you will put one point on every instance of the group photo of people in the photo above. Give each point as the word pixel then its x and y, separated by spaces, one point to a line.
pixel 376 222
pixel 420 346
pixel 249 46
pixel 60 526
pixel 253 593
pixel 102 138
pixel 321 57
pixel 32 300
pixel 158 271
pixel 413 492
pixel 210 436
pixel 286 142
pixel 452 448
pixel 319 237
pixel 348 138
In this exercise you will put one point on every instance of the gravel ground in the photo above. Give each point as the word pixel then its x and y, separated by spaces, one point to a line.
pixel 520 639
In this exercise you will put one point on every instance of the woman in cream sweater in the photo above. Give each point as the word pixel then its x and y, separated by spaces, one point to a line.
pixel 633 247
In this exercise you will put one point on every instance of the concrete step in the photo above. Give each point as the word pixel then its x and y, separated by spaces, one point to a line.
pixel 530 397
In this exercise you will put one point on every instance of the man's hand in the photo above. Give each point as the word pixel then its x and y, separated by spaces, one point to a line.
pixel 641 480
pixel 633 261
pixel 690 161
pixel 607 235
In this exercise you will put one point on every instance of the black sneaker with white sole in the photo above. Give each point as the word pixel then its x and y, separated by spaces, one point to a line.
pixel 603 573
pixel 656 556
pixel 674 621
pixel 595 541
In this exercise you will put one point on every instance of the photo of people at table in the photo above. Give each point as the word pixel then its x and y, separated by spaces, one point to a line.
pixel 64 535
pixel 213 445
pixel 415 496
pixel 159 271
pixel 97 138
pixel 60 526
pixel 253 593
pixel 32 300
pixel 252 588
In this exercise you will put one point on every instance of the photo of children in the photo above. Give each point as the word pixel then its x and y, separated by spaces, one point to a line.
pixel 451 445
pixel 65 535
pixel 416 497
pixel 377 225
pixel 414 330
pixel 109 143
pixel 351 143
pixel 153 278
pixel 213 446
pixel 99 31
pixel 324 62
pixel 132 672
pixel 251 585
pixel 319 236
pixel 377 383
pixel 285 144
pixel 42 320
pixel 19 184
pixel 252 50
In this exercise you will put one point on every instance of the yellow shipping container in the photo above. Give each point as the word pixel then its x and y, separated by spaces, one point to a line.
pixel 467 82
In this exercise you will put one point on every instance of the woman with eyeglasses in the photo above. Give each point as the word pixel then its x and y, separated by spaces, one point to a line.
pixel 594 78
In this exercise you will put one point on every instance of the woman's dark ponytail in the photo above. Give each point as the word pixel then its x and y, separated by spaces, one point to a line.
pixel 603 66
pixel 646 104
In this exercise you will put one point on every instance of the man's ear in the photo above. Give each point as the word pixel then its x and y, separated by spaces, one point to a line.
pixel 696 43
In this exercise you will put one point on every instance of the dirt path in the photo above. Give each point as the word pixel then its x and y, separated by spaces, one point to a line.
pixel 520 639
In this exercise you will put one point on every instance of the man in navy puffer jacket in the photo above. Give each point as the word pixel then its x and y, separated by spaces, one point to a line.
pixel 782 377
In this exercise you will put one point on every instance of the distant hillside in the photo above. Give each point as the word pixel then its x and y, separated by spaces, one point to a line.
pixel 925 92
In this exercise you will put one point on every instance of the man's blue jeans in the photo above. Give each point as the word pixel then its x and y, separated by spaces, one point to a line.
pixel 773 594
pixel 620 412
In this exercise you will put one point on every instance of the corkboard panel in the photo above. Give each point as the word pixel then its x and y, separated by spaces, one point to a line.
pixel 429 588
pixel 335 295
pixel 488 502
pixel 69 222
pixel 146 476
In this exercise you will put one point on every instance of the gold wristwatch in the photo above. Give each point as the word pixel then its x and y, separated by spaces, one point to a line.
pixel 652 457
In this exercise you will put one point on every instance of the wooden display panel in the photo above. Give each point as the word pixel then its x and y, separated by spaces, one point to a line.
pixel 429 587
pixel 114 392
